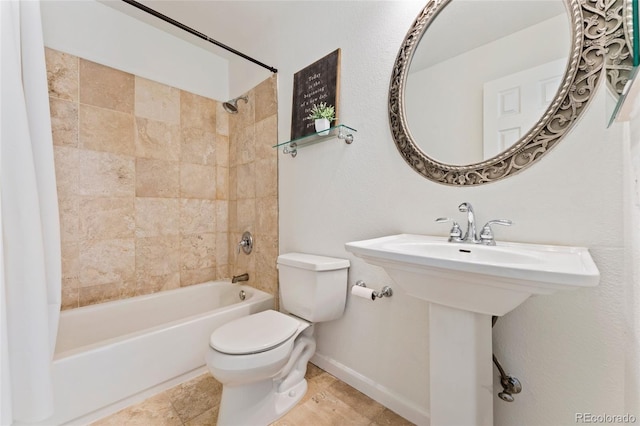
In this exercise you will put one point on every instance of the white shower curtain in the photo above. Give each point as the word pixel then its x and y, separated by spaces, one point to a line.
pixel 31 263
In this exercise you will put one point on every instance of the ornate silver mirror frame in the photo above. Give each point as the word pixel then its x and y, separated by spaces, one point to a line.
pixel 586 61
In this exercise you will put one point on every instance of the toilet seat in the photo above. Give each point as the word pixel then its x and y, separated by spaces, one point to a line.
pixel 274 346
pixel 254 333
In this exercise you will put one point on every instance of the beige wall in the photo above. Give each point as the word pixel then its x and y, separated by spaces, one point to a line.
pixel 144 184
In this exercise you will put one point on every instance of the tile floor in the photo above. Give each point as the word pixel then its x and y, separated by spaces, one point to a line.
pixel 328 401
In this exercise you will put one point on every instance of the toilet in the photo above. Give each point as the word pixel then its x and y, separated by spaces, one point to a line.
pixel 261 359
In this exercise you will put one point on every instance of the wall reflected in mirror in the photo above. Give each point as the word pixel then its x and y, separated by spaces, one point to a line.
pixel 623 50
pixel 483 75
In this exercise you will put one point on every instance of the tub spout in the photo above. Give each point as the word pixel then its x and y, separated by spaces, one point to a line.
pixel 238 278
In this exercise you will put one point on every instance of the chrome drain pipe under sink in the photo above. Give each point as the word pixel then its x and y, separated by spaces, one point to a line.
pixel 510 384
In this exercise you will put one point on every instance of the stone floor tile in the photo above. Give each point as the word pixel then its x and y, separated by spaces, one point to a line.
pixel 156 411
pixel 317 383
pixel 196 396
pixel 389 418
pixel 323 409
pixel 208 418
pixel 356 400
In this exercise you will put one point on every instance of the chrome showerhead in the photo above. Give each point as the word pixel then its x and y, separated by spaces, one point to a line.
pixel 232 106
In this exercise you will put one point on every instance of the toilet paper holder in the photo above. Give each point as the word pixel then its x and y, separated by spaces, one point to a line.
pixel 385 292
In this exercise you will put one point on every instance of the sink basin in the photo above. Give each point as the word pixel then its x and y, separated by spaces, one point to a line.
pixel 489 280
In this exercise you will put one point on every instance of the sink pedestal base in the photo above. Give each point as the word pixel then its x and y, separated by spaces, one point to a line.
pixel 460 361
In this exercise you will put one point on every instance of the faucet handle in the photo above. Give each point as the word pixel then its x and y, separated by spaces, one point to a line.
pixel 486 235
pixel 246 243
pixel 455 234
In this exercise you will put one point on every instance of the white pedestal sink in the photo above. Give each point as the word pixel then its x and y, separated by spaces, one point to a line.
pixel 466 284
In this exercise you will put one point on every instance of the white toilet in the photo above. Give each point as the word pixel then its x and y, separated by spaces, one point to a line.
pixel 261 359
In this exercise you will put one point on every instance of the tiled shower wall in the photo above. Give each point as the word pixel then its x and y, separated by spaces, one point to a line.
pixel 144 184
pixel 253 189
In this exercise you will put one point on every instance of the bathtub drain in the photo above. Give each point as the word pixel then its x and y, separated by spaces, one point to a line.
pixel 243 295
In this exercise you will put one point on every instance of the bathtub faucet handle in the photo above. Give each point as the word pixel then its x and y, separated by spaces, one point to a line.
pixel 246 243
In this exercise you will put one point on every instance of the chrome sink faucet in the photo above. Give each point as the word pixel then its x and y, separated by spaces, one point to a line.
pixel 471 235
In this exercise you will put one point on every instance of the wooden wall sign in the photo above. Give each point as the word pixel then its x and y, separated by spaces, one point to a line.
pixel 319 82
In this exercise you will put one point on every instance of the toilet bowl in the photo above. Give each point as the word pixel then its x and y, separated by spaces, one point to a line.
pixel 260 381
pixel 261 359
pixel 237 357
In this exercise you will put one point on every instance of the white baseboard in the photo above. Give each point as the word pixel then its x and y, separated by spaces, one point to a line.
pixel 373 390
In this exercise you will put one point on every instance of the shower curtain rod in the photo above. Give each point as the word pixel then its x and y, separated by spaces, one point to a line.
pixel 197 33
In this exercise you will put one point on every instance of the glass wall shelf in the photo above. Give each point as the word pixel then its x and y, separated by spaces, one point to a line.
pixel 340 131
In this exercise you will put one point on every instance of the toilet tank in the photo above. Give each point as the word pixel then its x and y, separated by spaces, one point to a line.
pixel 313 287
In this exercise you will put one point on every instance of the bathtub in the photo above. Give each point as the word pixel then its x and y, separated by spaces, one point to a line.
pixel 116 353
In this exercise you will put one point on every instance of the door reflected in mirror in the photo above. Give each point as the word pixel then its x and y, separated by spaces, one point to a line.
pixel 483 75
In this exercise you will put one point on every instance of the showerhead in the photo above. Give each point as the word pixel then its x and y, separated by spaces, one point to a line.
pixel 232 106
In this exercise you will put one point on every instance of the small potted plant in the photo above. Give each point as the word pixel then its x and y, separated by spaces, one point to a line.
pixel 323 115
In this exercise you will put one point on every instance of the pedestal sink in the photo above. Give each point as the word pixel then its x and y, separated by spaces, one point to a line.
pixel 466 284
pixel 489 280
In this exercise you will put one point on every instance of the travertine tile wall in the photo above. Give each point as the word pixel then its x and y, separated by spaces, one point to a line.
pixel 253 185
pixel 144 184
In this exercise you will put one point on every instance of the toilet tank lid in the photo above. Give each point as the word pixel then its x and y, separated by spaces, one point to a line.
pixel 312 262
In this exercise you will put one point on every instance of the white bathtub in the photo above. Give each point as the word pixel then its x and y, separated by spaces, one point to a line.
pixel 107 354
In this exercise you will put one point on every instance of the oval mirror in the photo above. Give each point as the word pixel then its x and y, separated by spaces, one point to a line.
pixel 481 89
